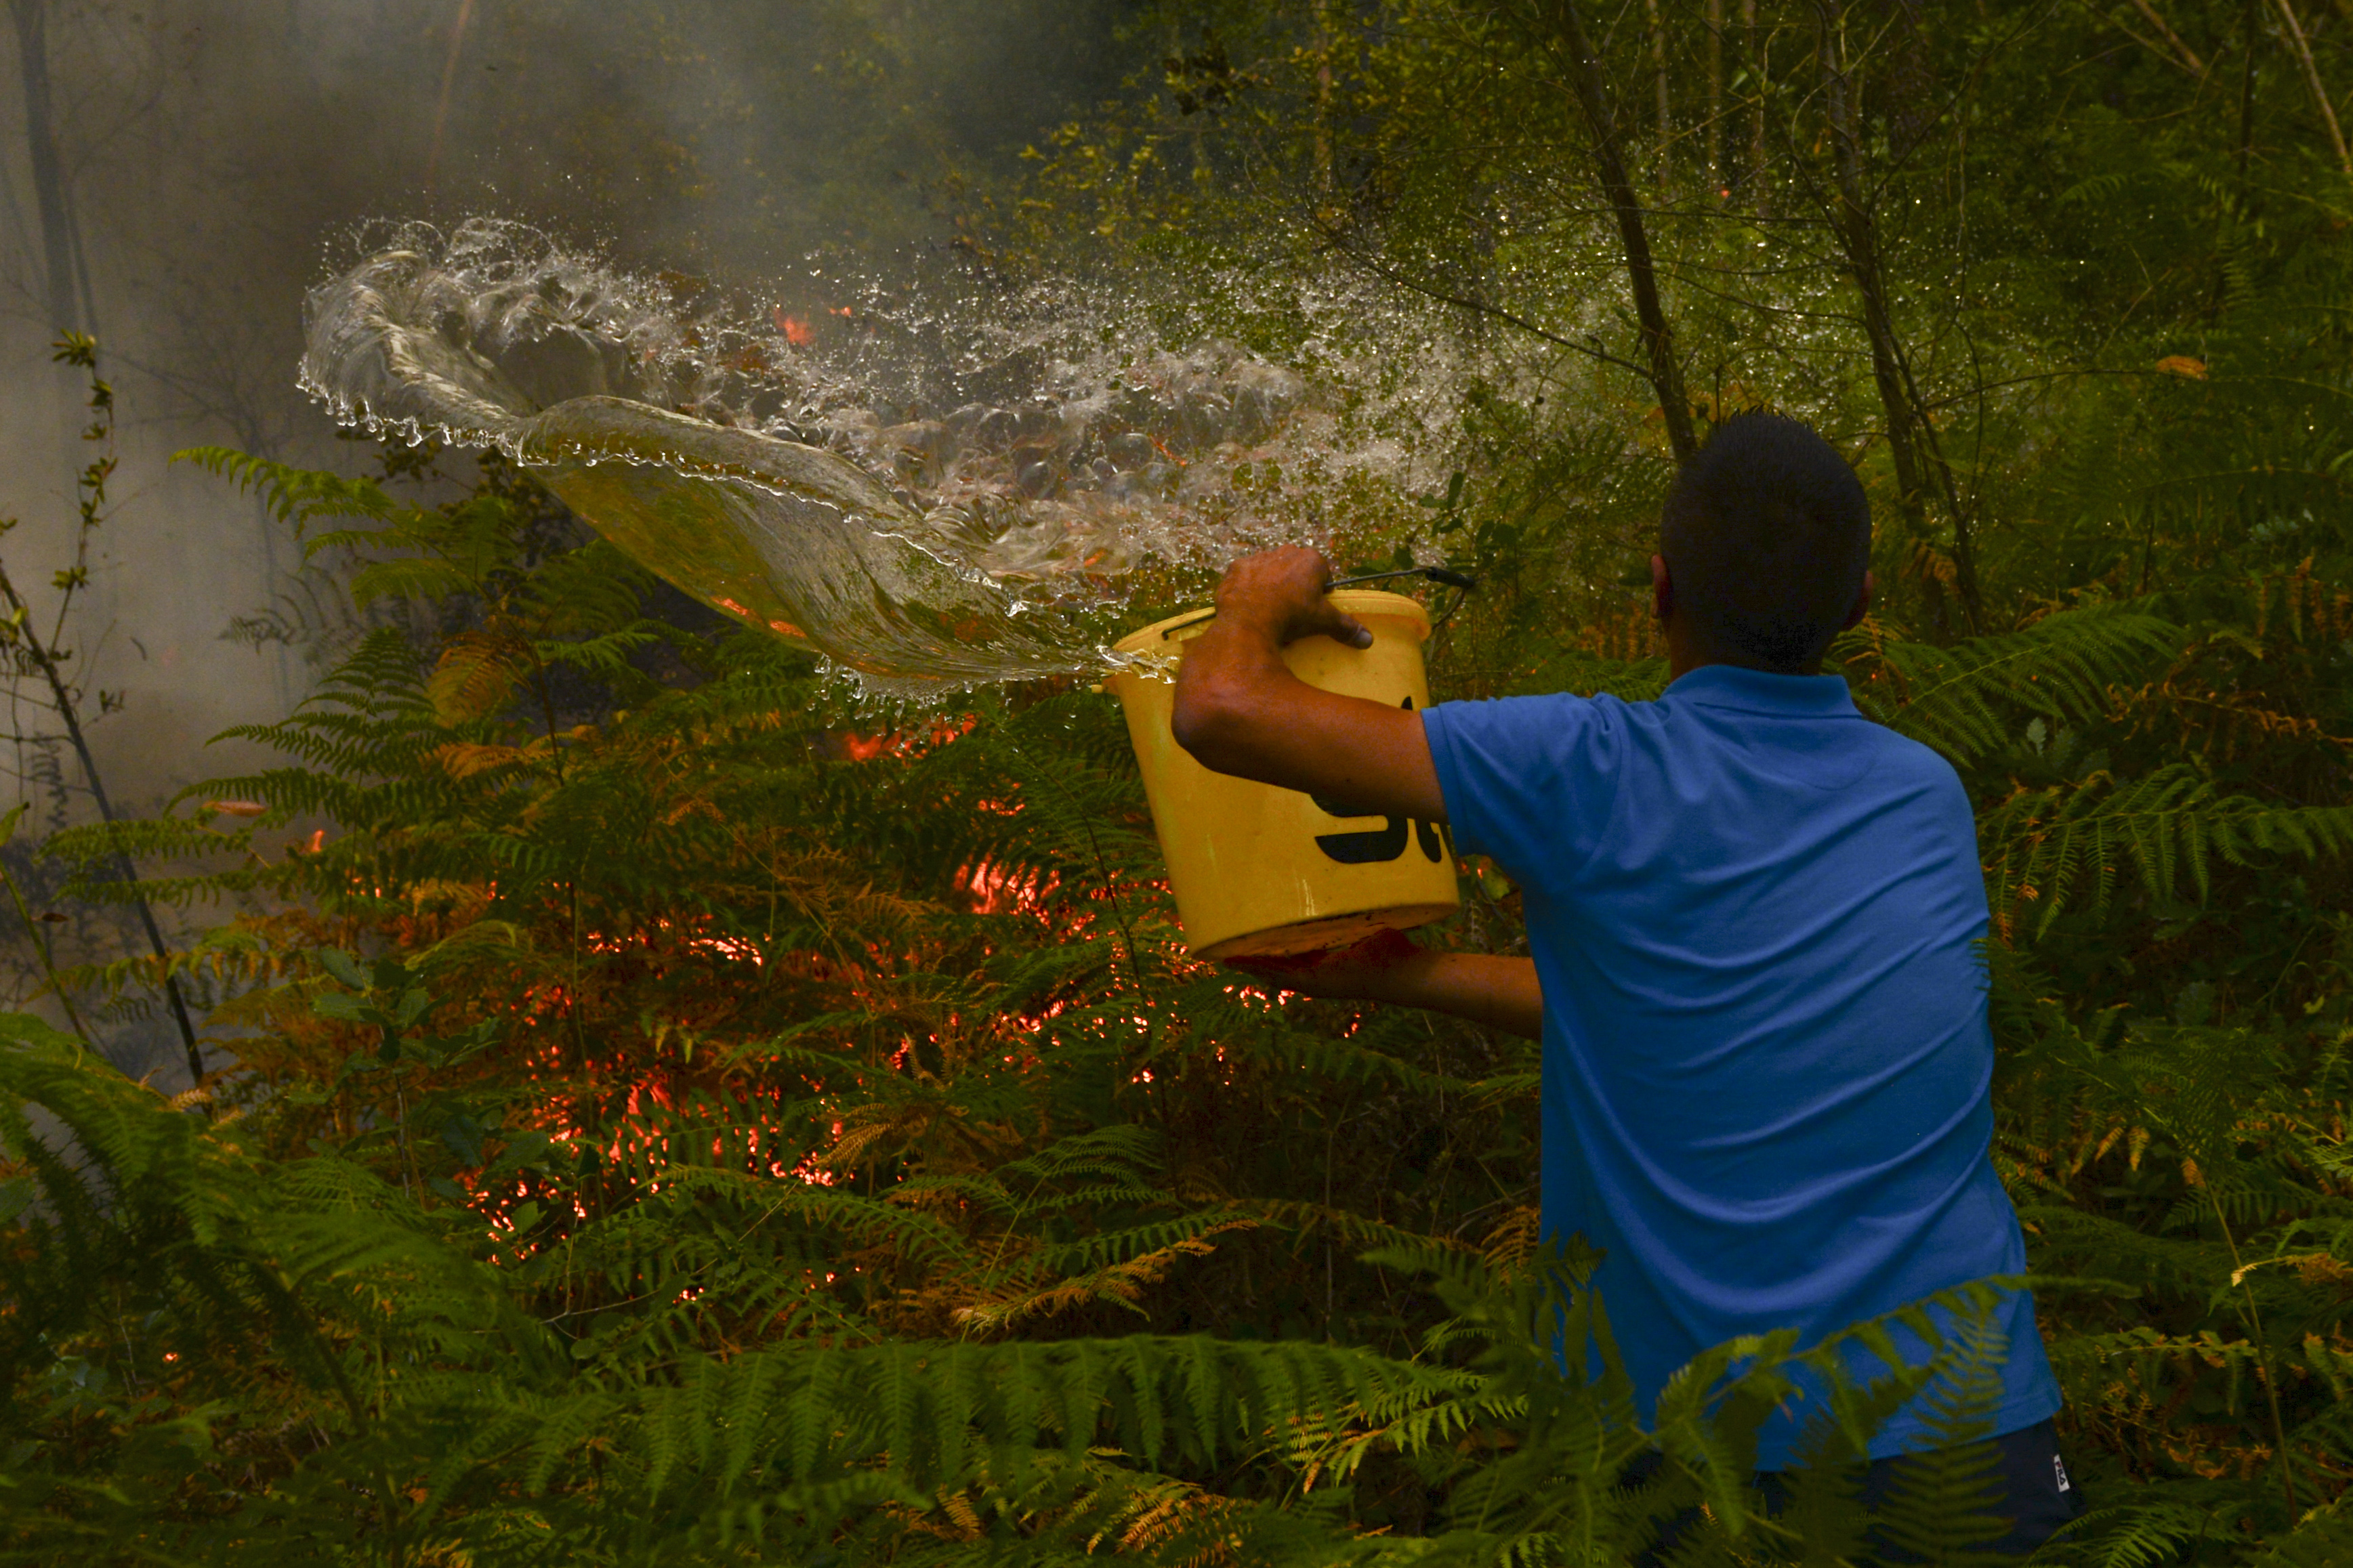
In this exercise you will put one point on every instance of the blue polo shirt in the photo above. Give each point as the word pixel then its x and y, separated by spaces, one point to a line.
pixel 1766 1066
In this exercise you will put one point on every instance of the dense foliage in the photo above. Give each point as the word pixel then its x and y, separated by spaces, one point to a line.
pixel 677 1116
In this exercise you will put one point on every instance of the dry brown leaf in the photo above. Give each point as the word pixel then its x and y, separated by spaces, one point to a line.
pixel 462 759
pixel 475 676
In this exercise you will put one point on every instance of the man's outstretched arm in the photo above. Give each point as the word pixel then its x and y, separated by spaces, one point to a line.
pixel 1241 710
pixel 1501 993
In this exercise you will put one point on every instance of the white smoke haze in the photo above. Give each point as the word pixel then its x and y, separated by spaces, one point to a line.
pixel 214 160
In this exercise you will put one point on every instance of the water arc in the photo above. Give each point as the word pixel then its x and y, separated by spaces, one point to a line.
pixel 935 481
pixel 789 538
pixel 562 371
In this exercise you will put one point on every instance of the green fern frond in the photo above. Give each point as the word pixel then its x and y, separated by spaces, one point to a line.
pixel 295 495
pixel 2165 830
pixel 1942 1499
pixel 409 577
pixel 2323 1539
pixel 1967 700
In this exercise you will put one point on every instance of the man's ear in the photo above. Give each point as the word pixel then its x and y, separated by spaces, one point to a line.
pixel 1662 589
pixel 1862 603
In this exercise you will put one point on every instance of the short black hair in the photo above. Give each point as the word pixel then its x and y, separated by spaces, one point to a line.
pixel 1767 535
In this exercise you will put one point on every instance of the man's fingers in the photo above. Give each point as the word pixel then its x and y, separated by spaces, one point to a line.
pixel 1321 620
pixel 1346 629
pixel 1287 586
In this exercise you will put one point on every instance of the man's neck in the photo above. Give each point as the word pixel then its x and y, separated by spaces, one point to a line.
pixel 1686 653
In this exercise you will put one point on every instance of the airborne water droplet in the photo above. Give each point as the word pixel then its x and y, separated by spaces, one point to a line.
pixel 935 486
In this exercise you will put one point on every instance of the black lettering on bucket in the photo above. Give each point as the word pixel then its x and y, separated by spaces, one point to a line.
pixel 1377 845
pixel 1366 848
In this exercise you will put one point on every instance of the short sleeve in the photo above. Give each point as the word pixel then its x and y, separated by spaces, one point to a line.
pixel 1529 781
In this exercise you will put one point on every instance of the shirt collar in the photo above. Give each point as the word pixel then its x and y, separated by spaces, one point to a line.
pixel 1728 686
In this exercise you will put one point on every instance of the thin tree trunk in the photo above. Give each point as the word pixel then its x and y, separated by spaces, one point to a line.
pixel 81 266
pixel 2312 81
pixel 1592 93
pixel 1659 74
pixel 1718 167
pixel 1755 40
pixel 43 656
pixel 2249 35
pixel 1910 439
pixel 1323 103
pixel 1908 86
pixel 49 173
pixel 2173 39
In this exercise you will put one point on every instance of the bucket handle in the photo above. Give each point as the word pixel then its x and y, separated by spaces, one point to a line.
pixel 1449 577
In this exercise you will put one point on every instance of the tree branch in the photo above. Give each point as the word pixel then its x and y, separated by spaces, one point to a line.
pixel 1390 274
pixel 1592 93
pixel 2312 81
pixel 2188 56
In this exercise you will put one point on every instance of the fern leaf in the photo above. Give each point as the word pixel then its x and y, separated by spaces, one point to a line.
pixel 1961 699
pixel 296 495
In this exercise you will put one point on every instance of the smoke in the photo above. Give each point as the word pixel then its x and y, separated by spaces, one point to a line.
pixel 212 160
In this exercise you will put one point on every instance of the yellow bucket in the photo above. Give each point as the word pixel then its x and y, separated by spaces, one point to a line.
pixel 1264 872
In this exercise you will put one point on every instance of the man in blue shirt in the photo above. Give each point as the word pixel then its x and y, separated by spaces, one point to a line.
pixel 1752 914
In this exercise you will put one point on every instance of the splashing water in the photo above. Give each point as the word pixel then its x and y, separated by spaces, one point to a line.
pixel 930 491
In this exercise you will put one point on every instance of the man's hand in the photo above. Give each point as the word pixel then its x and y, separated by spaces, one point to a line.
pixel 1239 710
pixel 1285 594
pixel 1501 993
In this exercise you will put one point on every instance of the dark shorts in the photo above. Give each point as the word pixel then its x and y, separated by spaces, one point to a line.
pixel 2036 1493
